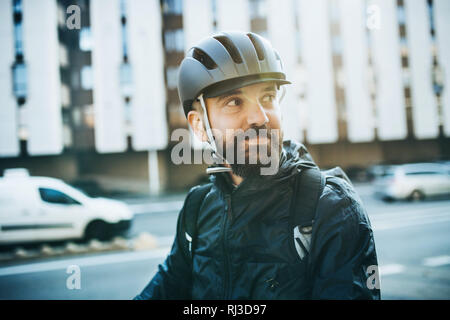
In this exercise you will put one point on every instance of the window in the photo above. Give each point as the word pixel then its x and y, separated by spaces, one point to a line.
pixel 421 173
pixel 123 7
pixel 22 123
pixel 124 41
pixel 61 16
pixel 76 116
pixel 88 116
pixel 85 39
pixel 126 79
pixel 18 32
pixel 86 78
pixel 257 9
pixel 334 11
pixel 67 136
pixel 20 80
pixel 55 196
pixel 336 44
pixel 17 6
pixel 401 15
pixel 65 95
pixel 214 12
pixel 63 56
pixel 174 40
pixel 387 174
pixel 172 7
pixel 172 74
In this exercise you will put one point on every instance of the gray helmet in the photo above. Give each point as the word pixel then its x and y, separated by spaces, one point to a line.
pixel 227 61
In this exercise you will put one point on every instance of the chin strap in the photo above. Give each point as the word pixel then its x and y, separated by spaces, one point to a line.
pixel 211 142
pixel 283 93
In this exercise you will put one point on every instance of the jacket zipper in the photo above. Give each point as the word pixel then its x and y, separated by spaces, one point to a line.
pixel 227 216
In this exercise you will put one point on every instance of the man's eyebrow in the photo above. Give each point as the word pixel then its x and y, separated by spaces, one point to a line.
pixel 237 91
pixel 231 93
pixel 270 88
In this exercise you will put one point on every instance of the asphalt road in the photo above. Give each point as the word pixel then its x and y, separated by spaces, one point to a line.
pixel 412 242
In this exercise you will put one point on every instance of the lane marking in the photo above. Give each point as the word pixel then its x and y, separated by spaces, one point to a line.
pixel 436 261
pixel 86 261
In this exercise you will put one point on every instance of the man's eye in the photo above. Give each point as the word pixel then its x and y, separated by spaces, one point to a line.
pixel 234 103
pixel 268 98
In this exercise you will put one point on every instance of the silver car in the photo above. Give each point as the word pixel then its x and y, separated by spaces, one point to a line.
pixel 414 181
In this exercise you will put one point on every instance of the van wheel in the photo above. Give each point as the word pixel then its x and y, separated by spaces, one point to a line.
pixel 417 195
pixel 97 230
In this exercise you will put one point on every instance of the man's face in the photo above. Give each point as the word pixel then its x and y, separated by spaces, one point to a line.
pixel 246 124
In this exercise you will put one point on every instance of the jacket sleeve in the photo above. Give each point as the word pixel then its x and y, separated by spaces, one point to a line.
pixel 343 254
pixel 173 278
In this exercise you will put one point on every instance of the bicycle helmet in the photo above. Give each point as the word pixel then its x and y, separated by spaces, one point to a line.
pixel 227 61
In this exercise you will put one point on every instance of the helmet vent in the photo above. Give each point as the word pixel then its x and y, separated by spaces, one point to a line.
pixel 230 47
pixel 204 59
pixel 258 46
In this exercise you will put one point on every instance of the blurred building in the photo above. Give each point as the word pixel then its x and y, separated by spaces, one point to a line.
pixel 88 87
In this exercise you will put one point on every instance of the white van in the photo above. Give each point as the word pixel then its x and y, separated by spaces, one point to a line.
pixel 43 209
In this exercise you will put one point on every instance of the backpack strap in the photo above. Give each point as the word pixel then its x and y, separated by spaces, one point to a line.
pixel 308 187
pixel 192 208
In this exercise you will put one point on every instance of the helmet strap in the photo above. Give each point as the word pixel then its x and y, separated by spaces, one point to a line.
pixel 211 140
pixel 283 93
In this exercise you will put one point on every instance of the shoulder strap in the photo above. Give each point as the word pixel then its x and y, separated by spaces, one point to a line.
pixel 309 184
pixel 193 205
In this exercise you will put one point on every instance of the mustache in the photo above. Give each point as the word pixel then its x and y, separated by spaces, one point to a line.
pixel 261 131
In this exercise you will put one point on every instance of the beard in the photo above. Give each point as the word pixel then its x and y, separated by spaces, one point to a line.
pixel 249 151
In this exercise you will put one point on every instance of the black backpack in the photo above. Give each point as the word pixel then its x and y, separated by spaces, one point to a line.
pixel 309 184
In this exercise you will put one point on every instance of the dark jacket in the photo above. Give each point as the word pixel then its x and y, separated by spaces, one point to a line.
pixel 245 248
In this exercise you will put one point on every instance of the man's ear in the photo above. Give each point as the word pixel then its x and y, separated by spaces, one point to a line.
pixel 196 122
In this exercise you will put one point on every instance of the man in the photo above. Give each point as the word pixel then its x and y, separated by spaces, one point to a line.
pixel 230 85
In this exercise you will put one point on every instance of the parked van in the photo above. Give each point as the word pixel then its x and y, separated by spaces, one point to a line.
pixel 43 209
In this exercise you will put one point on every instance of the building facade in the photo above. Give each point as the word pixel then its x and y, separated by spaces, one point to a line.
pixel 89 87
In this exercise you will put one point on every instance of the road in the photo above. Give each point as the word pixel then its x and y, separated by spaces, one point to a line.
pixel 412 242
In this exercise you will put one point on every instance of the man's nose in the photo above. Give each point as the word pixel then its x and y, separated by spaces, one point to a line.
pixel 256 115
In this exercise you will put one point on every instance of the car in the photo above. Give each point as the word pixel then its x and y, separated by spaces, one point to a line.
pixel 413 181
pixel 36 208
